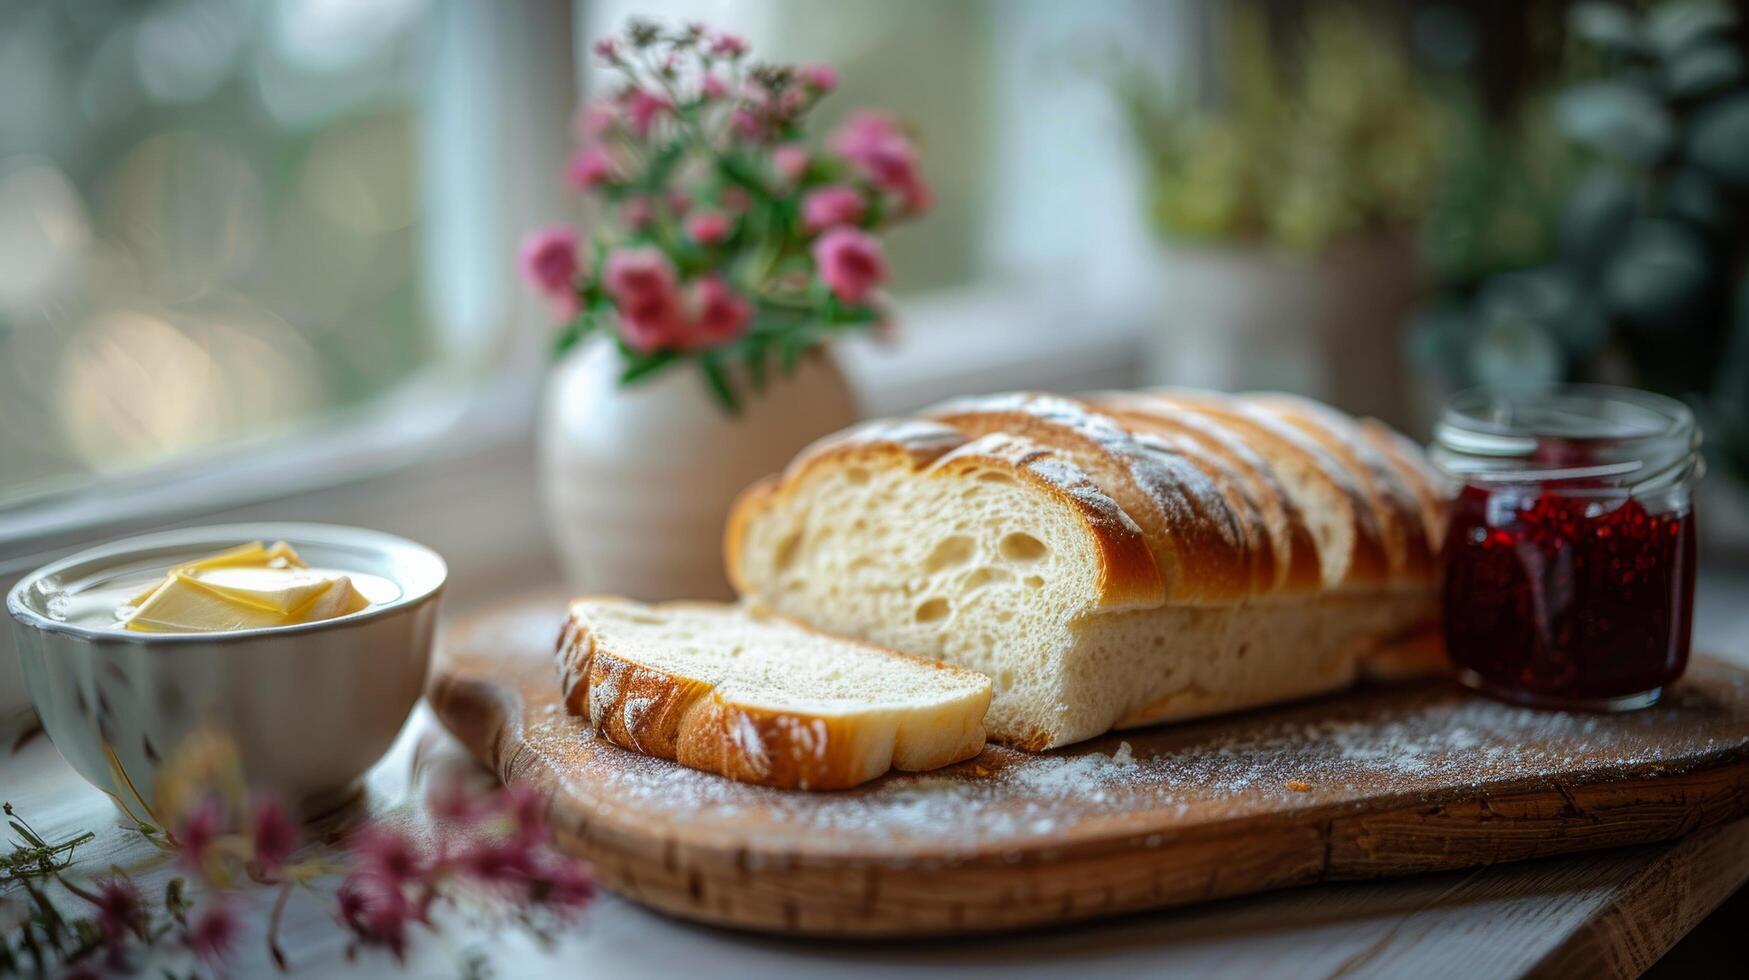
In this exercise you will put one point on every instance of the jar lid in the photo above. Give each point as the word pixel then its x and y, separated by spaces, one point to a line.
pixel 1577 432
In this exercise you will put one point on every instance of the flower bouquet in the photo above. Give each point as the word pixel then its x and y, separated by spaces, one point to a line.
pixel 717 232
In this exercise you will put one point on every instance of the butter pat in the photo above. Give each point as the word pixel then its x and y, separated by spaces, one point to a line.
pixel 246 588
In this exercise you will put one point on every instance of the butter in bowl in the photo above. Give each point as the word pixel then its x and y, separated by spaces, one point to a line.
pixel 304 645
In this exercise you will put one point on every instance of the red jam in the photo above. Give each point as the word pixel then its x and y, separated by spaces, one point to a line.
pixel 1567 601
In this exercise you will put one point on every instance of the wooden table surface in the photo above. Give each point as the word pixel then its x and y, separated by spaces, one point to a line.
pixel 1600 915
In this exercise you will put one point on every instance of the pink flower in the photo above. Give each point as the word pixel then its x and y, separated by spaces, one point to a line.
pixel 744 124
pixel 735 199
pixel 214 932
pixel 850 262
pixel 636 213
pixel 387 854
pixel 275 834
pixel 596 120
pixel 642 284
pixel 713 88
pixel 792 161
pixel 498 862
pixel 450 801
pixel 707 227
pixel 916 194
pixel 607 49
pixel 376 911
pixel 719 313
pixel 527 809
pixel 548 259
pixel 643 108
pixel 726 45
pixel 820 78
pixel 638 273
pixel 200 828
pixel 883 155
pixel 833 205
pixel 119 911
pixel 590 168
pixel 678 202
pixel 569 883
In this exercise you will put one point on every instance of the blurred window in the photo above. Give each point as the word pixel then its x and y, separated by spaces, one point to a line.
pixel 207 226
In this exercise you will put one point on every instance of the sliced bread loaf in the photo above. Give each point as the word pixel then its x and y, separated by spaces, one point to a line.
pixel 1109 561
pixel 758 698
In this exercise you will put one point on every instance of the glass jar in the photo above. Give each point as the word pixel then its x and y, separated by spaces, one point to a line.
pixel 1569 560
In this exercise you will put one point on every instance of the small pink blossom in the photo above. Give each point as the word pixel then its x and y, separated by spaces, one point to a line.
pixel 376 911
pixel 744 124
pixel 548 259
pixel 837 204
pixel 570 884
pixel 638 273
pixel 719 313
pixel 713 89
pixel 735 200
pixel 820 78
pixel 850 262
pixel 565 306
pixel 882 154
pixel 120 911
pixel 387 854
pixel 636 213
pixel 792 161
pixel 679 202
pixel 213 932
pixel 200 828
pixel 708 227
pixel 607 49
pixel 642 284
pixel 643 108
pixel 590 168
pixel 505 861
pixel 916 195
pixel 274 834
pixel 596 120
pixel 527 810
pixel 726 45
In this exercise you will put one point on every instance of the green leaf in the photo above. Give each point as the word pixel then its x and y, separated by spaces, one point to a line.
pixel 755 361
pixel 718 382
pixel 1659 274
pixel 1619 119
pixel 1671 27
pixel 1718 140
pixel 570 335
pixel 1608 25
pixel 1703 69
pixel 640 366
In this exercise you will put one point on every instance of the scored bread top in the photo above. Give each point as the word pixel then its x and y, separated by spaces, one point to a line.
pixel 1204 549
pixel 759 698
pixel 1128 574
pixel 1230 497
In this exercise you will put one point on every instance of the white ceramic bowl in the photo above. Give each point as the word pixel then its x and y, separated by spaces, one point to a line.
pixel 309 707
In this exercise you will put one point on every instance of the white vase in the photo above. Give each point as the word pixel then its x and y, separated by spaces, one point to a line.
pixel 638 479
pixel 1328 325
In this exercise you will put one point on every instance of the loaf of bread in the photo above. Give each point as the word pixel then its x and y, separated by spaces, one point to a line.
pixel 1113 560
pixel 754 697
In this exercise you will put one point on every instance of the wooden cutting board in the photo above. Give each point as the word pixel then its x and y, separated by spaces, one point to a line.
pixel 1374 783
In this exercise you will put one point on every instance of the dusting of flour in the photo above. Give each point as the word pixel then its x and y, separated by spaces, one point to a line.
pixel 1422 744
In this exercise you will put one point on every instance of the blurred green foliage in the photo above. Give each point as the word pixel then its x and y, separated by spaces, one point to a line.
pixel 1642 266
pixel 1337 139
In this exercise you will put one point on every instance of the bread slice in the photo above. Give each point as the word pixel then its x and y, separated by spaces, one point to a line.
pixel 996 536
pixel 755 697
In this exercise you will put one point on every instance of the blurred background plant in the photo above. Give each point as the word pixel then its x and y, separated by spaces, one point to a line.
pixel 1631 265
pixel 1304 138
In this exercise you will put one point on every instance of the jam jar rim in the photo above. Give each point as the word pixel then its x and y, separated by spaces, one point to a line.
pixel 1472 444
